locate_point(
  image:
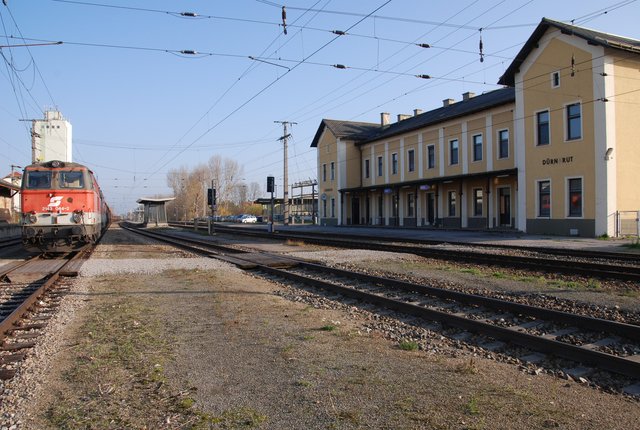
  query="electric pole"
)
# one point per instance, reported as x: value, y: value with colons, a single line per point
x: 285, y: 186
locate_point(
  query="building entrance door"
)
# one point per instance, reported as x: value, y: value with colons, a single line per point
x: 504, y: 196
x: 431, y: 208
x: 367, y: 211
x: 355, y: 211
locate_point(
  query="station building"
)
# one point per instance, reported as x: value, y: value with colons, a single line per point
x: 555, y: 151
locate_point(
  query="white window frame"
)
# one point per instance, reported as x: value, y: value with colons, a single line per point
x: 565, y: 114
x: 535, y: 127
x: 568, y: 197
x: 473, y: 196
x: 473, y: 147
x: 455, y: 199
x: 451, y: 152
x: 553, y: 79
x: 411, y: 163
x: 434, y: 157
x: 394, y: 163
x: 411, y: 205
x: 537, y: 190
x: 499, y: 142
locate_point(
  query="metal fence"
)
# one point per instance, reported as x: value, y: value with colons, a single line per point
x: 627, y: 223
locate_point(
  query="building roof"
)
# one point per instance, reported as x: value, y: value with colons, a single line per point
x: 593, y: 37
x: 364, y: 132
x: 350, y: 129
x: 144, y: 200
x: 6, y: 184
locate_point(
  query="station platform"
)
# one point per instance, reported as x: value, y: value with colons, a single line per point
x: 511, y: 238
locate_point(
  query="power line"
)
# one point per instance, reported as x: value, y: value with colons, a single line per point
x: 269, y: 86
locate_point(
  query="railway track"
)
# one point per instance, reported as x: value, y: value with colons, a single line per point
x: 603, y: 265
x: 29, y: 294
x: 599, y: 344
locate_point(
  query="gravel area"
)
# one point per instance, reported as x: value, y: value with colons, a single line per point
x: 155, y: 342
x: 563, y: 292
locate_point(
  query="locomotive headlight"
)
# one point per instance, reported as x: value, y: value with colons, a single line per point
x: 77, y: 217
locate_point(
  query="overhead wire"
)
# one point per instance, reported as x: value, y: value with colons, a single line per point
x: 253, y: 97
x: 220, y: 98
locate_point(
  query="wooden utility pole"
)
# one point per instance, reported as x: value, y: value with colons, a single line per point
x: 285, y: 198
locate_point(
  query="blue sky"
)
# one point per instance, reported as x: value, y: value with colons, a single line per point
x: 139, y: 107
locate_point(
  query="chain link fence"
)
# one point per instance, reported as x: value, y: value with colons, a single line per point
x: 627, y: 223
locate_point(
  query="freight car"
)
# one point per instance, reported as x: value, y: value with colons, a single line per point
x: 63, y: 207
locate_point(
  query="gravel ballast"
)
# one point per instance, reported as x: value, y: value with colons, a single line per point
x: 216, y: 347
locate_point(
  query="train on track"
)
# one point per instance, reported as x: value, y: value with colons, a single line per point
x: 63, y: 208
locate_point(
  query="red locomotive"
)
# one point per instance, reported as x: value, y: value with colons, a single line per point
x: 63, y: 207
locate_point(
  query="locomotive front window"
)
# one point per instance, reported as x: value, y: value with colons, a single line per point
x: 38, y: 180
x: 71, y: 179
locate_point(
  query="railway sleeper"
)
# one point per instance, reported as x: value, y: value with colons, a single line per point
x: 16, y: 346
x: 12, y: 358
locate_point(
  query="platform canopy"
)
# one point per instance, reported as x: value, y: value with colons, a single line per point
x: 155, y: 213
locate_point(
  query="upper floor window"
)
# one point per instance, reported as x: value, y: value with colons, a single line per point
x: 574, y: 121
x: 431, y: 156
x: 555, y: 79
x: 394, y: 163
x: 380, y: 166
x: 366, y: 168
x: 411, y: 158
x: 333, y: 171
x: 477, y: 147
x: 324, y: 173
x: 503, y: 144
x: 542, y: 128
x: 544, y: 199
x: 453, y: 151
x: 575, y: 197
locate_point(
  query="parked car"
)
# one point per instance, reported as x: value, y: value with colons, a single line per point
x: 246, y: 218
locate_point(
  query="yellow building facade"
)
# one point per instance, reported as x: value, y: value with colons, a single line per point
x: 553, y: 152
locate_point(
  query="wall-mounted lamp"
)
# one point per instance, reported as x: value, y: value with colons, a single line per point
x: 607, y: 155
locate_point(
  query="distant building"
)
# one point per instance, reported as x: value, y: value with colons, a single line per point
x: 51, y: 138
x: 10, y: 197
x: 553, y: 152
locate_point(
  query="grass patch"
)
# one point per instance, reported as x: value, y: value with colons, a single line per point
x: 328, y: 327
x: 408, y: 345
x: 292, y: 242
x: 591, y: 284
x: 631, y: 293
x: 116, y: 372
x: 472, y: 407
x: 471, y: 271
x: 499, y: 275
x: 633, y: 245
x: 304, y: 383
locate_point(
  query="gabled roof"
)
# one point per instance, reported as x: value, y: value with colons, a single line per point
x: 364, y: 132
x: 591, y: 36
x: 348, y: 129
